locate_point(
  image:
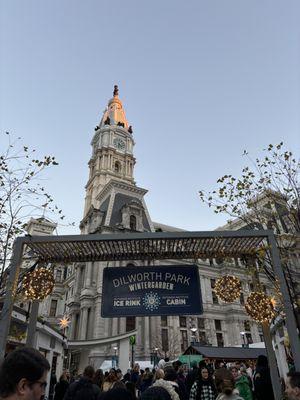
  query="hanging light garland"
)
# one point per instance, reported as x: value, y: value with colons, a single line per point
x: 260, y: 307
x: 38, y: 284
x: 228, y: 288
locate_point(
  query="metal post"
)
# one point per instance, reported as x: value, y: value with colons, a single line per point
x: 277, y: 390
x: 31, y: 329
x: 6, y: 312
x: 288, y: 309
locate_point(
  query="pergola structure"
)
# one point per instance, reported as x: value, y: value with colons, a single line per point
x: 150, y: 246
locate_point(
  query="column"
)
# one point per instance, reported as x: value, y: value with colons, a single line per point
x: 83, y: 324
x: 114, y: 326
x: 146, y: 335
x: 72, y: 326
x: 88, y: 275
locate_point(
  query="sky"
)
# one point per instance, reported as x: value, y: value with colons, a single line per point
x: 200, y: 82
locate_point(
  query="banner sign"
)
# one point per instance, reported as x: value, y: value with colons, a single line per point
x: 146, y: 291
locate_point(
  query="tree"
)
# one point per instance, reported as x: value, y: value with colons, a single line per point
x: 168, y: 345
x: 21, y: 193
x: 265, y: 196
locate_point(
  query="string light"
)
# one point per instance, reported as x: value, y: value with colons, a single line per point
x: 260, y: 307
x: 228, y: 288
x: 38, y: 284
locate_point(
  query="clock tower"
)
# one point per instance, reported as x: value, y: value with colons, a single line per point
x: 113, y: 201
x: 112, y: 156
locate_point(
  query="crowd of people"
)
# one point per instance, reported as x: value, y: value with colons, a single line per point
x: 23, y: 376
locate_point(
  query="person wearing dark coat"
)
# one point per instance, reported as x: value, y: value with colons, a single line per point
x: 262, y: 380
x: 84, y: 388
x: 61, y: 387
x: 204, y: 387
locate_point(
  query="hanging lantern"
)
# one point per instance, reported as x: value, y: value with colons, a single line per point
x: 228, y: 288
x: 259, y: 306
x: 38, y: 284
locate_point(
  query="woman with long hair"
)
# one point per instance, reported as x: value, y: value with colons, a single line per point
x: 204, y: 387
x: 61, y: 387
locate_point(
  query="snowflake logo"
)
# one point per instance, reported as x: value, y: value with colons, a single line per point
x: 151, y: 301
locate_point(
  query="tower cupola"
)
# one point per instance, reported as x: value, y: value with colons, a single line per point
x: 114, y: 114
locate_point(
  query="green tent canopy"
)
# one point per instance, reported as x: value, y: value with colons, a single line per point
x: 190, y: 359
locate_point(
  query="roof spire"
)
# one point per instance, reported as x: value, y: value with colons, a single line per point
x: 116, y: 91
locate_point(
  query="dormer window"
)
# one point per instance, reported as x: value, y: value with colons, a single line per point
x: 132, y: 222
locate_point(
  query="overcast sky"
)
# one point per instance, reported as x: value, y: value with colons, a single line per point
x: 200, y: 82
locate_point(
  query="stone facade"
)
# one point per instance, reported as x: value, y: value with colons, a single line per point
x: 115, y: 204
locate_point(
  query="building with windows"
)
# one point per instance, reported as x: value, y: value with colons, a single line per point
x: 114, y: 204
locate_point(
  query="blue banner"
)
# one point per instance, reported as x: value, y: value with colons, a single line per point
x: 146, y: 291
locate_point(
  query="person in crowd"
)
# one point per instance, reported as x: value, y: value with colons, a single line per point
x: 109, y: 381
x: 242, y: 384
x: 99, y: 378
x: 134, y: 376
x: 157, y: 393
x: 23, y: 375
x: 192, y: 376
x: 180, y: 375
x: 159, y: 374
x: 139, y: 381
x: 84, y: 388
x: 130, y: 386
x: 116, y: 394
x: 171, y: 376
x: 61, y: 387
x: 146, y: 381
x: 293, y: 385
x: 262, y: 380
x: 225, y: 385
x: 167, y: 385
x: 126, y: 377
x: 204, y: 387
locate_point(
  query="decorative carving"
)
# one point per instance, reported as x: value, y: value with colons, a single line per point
x: 116, y: 90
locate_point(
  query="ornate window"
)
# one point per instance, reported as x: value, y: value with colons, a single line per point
x: 117, y: 167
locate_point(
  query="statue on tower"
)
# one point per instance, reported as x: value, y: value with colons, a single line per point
x: 116, y: 90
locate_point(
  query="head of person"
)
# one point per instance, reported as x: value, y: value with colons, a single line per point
x: 63, y: 376
x: 224, y: 381
x: 293, y: 385
x: 89, y: 372
x: 203, y: 374
x: 119, y: 374
x: 136, y: 368
x: 235, y: 372
x: 112, y: 376
x: 262, y: 362
x: 98, y: 377
x: 156, y: 393
x: 170, y: 374
x: 23, y: 375
x: 159, y: 374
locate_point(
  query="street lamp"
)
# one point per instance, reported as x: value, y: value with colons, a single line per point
x: 245, y: 344
x: 193, y: 330
x: 155, y: 356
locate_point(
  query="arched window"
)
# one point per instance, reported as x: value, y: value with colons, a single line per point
x: 132, y: 222
x: 117, y: 167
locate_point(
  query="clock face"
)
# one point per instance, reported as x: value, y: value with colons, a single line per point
x: 119, y: 144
